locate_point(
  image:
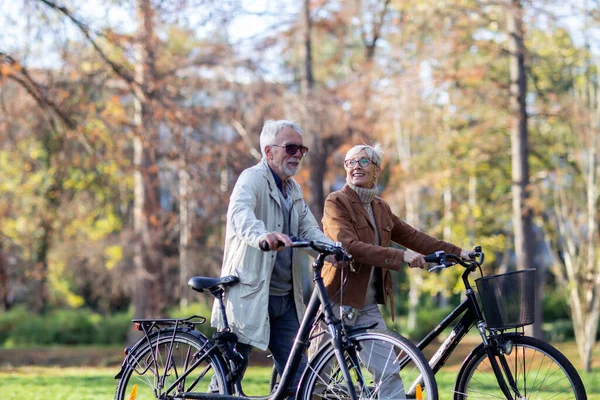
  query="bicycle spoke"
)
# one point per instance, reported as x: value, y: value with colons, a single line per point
x: 157, y: 371
x: 539, y: 371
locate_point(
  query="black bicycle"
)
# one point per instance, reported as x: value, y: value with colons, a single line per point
x: 175, y: 361
x: 507, y: 364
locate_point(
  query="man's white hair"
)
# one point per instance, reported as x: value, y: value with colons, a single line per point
x: 270, y: 130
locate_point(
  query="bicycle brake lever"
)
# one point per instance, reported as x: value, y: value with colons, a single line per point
x: 436, y: 267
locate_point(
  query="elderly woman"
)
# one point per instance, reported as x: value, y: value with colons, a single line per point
x: 365, y: 225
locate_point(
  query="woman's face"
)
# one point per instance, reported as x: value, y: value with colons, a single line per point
x: 359, y: 174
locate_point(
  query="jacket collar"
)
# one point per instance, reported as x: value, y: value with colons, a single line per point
x: 375, y: 206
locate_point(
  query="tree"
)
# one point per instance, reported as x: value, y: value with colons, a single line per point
x: 522, y: 214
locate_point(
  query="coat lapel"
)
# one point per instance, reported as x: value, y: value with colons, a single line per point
x: 273, y: 189
x: 379, y: 217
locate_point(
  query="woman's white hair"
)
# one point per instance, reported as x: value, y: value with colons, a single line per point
x: 270, y: 130
x: 373, y: 152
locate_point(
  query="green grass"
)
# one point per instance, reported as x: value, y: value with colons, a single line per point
x: 98, y: 383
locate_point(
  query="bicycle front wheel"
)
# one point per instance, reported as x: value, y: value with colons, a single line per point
x: 382, y: 365
x: 538, y: 370
x: 154, y: 369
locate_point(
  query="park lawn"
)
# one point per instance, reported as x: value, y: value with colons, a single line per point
x: 99, y: 383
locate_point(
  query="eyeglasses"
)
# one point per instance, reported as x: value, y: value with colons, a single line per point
x: 363, y: 162
x: 292, y: 149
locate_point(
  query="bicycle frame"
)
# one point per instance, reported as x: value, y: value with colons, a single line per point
x: 318, y: 298
x: 471, y: 315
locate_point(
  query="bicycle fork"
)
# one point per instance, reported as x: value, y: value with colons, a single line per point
x: 496, y: 352
x: 338, y: 347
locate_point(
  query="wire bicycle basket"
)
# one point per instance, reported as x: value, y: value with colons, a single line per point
x: 508, y: 300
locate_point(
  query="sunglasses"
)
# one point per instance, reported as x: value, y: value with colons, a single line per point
x: 363, y: 162
x: 292, y: 149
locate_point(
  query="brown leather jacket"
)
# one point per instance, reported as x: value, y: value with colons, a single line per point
x: 345, y: 220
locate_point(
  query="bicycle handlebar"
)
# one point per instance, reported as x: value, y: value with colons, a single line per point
x: 324, y: 248
x: 444, y: 260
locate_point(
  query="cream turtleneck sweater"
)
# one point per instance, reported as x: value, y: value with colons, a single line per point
x: 366, y: 197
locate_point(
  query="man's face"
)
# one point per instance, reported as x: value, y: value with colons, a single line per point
x: 284, y: 164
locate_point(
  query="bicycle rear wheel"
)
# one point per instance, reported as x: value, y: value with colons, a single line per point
x: 539, y: 370
x: 382, y: 365
x: 151, y: 369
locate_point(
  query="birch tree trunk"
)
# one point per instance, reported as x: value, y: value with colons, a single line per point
x: 415, y: 277
x: 185, y: 229
x: 577, y: 223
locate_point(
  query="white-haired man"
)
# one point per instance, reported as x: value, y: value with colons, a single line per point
x: 267, y: 204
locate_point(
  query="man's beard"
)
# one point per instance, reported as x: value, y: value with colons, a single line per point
x: 290, y: 171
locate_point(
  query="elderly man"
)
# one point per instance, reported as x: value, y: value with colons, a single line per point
x: 267, y: 205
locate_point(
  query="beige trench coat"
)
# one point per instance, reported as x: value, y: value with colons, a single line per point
x: 254, y: 210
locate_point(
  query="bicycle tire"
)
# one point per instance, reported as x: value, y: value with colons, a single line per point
x: 145, y: 368
x: 323, y: 378
x: 540, y: 370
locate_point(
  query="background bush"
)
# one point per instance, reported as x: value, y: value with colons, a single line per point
x: 20, y: 328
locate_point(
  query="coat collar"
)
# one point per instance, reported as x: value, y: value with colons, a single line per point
x: 376, y: 205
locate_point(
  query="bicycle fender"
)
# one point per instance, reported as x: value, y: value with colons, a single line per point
x: 149, y: 339
x: 360, y: 328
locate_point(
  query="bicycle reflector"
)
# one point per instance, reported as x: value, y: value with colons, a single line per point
x: 419, y: 392
x: 133, y: 393
x: 137, y: 326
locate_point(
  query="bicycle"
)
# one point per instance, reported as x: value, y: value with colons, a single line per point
x: 507, y: 364
x: 175, y: 361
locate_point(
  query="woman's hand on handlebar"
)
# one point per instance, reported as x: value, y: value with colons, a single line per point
x: 466, y: 254
x: 414, y: 259
x: 275, y: 241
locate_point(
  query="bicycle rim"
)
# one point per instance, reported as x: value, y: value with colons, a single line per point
x: 539, y: 370
x: 386, y: 366
x: 153, y: 369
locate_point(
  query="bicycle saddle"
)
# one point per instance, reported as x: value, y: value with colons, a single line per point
x: 202, y: 283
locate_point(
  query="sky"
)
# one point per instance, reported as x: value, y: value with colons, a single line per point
x: 18, y: 35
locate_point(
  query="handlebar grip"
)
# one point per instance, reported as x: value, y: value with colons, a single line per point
x: 435, y: 257
x: 431, y: 258
x: 264, y: 245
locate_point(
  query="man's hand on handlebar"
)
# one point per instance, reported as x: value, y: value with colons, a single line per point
x: 278, y: 241
x: 275, y: 241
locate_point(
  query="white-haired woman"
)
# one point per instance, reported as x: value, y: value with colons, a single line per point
x: 366, y: 226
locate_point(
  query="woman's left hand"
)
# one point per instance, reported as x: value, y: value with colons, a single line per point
x: 465, y: 253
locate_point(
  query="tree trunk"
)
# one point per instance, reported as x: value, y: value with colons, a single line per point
x: 415, y: 277
x: 472, y: 202
x: 522, y: 219
x: 149, y: 294
x: 4, y: 282
x: 317, y: 155
x: 185, y: 230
